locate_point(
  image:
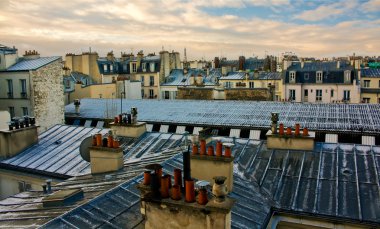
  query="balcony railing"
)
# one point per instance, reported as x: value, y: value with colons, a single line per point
x: 10, y: 95
x: 24, y: 95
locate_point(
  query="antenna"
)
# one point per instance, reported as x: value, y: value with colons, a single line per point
x: 185, y: 56
x: 84, y: 148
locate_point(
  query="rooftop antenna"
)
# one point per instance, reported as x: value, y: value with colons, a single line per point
x: 185, y: 56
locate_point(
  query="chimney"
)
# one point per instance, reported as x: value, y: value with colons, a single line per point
x: 207, y: 166
x: 338, y: 64
x: 77, y: 106
x: 126, y: 125
x: 216, y: 62
x: 21, y: 134
x: 289, y: 139
x: 106, y: 155
x: 31, y: 55
x: 192, y: 80
x: 241, y: 63
x: 110, y: 56
x: 184, y: 210
x: 199, y: 80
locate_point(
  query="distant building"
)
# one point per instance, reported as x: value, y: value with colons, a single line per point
x: 32, y: 85
x: 197, y: 79
x: 324, y: 82
x: 84, y: 63
x: 370, y: 85
x: 266, y: 81
x: 242, y: 64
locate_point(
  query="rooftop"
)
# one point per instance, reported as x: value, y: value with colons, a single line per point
x: 32, y: 64
x: 178, y: 78
x: 320, y: 66
x: 335, y: 181
x: 57, y: 152
x: 370, y: 72
x: 363, y: 118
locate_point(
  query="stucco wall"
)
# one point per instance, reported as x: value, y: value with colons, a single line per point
x: 248, y: 94
x: 47, y: 95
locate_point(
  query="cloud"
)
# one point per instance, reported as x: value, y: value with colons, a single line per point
x: 58, y: 27
x: 371, y: 6
x: 327, y: 11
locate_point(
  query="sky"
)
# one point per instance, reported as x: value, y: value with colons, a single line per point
x: 206, y: 28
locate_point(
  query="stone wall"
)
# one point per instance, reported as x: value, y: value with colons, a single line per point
x: 259, y: 94
x: 195, y: 93
x: 47, y: 95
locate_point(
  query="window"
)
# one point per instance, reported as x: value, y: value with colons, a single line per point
x: 378, y: 100
x: 292, y: 95
x: 366, y: 83
x: 152, y: 67
x: 12, y: 111
x: 134, y: 67
x: 228, y: 84
x: 111, y: 68
x: 306, y: 76
x: 105, y: 67
x: 166, y: 94
x: 318, y: 95
x: 347, y: 76
x: 151, y: 94
x: 379, y: 83
x: 142, y: 80
x: 142, y: 93
x: 332, y: 93
x: 306, y: 93
x: 151, y: 81
x: 319, y: 77
x: 366, y: 100
x: 125, y: 68
x: 292, y: 77
x: 22, y: 186
x: 10, y: 88
x: 346, y: 95
x: 23, y: 88
x: 251, y: 84
x: 144, y: 67
x: 25, y: 111
x: 67, y: 84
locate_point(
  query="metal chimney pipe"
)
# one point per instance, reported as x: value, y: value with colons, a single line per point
x: 186, y: 166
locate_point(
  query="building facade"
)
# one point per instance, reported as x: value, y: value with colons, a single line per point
x: 33, y: 86
x: 321, y: 82
x: 370, y: 85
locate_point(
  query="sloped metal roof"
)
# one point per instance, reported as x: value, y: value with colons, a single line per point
x: 336, y: 181
x: 57, y: 152
x: 370, y: 72
x: 246, y: 114
x: 178, y: 78
x: 26, y: 65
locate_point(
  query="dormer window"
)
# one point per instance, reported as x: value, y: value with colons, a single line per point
x: 152, y: 69
x: 134, y: 67
x: 105, y: 67
x: 144, y: 67
x: 319, y: 77
x: 111, y: 68
x: 347, y: 76
x: 292, y: 77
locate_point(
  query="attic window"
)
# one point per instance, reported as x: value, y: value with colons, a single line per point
x: 292, y: 77
x: 306, y: 76
x: 319, y: 77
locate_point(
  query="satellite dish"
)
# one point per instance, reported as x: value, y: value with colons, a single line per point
x: 84, y: 150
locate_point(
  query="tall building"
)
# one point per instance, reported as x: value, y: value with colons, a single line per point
x: 370, y: 85
x: 32, y: 85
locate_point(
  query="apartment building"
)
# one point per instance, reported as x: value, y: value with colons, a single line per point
x: 32, y: 85
x: 370, y: 85
x: 325, y: 82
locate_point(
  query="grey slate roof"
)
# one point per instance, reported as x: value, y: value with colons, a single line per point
x: 57, y: 152
x: 320, y: 66
x: 363, y: 118
x: 252, y: 76
x: 178, y: 78
x: 336, y: 181
x: 26, y: 65
x: 370, y: 72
